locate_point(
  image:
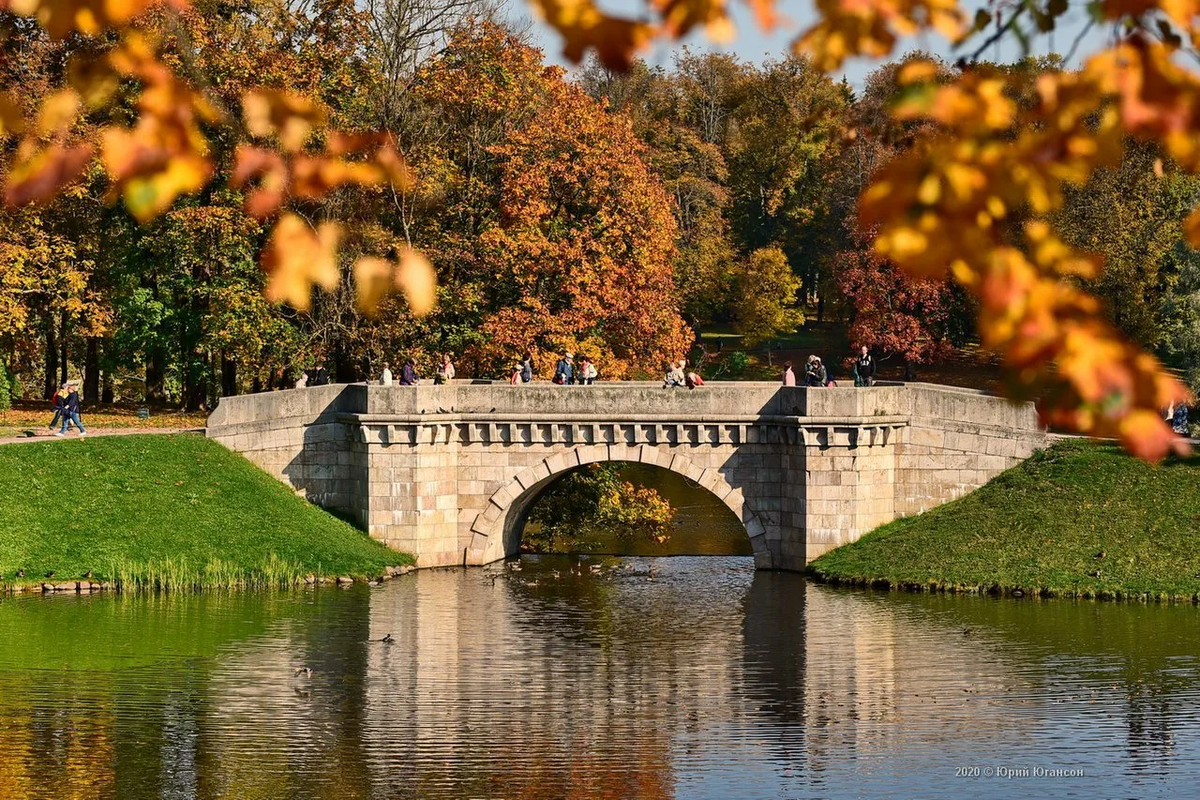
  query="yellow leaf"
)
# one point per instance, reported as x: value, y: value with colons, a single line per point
x: 11, y: 120
x: 296, y: 257
x: 290, y: 116
x: 58, y: 111
x: 583, y: 26
x: 39, y: 175
x: 416, y: 278
x: 147, y: 196
x: 1191, y: 228
x: 916, y: 71
x: 372, y: 281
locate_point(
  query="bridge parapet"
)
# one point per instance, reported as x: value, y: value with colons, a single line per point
x: 449, y: 472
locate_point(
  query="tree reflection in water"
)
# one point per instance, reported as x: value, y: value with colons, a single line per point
x: 651, y: 677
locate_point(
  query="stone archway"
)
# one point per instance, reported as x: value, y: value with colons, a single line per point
x: 495, y: 533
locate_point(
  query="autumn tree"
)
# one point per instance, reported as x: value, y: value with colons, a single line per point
x: 975, y: 200
x: 765, y: 288
x: 551, y: 232
x: 895, y: 314
x: 1131, y: 215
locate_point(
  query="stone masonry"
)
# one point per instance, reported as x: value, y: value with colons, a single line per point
x: 449, y: 473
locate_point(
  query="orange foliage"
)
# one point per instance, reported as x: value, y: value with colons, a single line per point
x: 944, y: 205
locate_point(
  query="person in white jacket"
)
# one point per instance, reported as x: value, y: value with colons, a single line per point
x: 386, y: 378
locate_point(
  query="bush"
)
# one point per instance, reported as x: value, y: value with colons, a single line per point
x: 591, y: 500
x: 736, y: 363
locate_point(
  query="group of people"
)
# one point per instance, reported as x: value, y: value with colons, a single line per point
x: 815, y: 373
x: 66, y: 408
x: 679, y: 375
x: 410, y: 377
x: 566, y: 373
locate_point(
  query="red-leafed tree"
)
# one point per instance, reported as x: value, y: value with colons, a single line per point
x: 894, y: 313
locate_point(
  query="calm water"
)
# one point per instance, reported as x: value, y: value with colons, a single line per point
x: 671, y: 676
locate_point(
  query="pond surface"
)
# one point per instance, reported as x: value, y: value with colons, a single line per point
x: 685, y: 676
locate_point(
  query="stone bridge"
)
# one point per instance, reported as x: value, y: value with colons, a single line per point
x: 449, y: 473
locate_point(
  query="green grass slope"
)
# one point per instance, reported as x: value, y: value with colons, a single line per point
x: 1079, y: 520
x: 167, y: 511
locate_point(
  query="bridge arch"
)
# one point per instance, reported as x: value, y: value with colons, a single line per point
x: 496, y: 531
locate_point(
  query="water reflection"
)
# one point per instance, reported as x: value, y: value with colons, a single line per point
x: 647, y: 677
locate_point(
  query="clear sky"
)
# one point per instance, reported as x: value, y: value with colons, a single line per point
x: 755, y: 45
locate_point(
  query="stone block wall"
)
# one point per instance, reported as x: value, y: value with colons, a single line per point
x: 298, y: 436
x: 958, y: 440
x: 449, y: 473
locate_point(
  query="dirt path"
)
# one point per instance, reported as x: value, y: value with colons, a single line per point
x: 46, y: 435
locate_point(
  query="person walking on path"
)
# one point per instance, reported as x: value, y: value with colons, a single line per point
x: 58, y: 402
x: 445, y: 372
x: 516, y: 379
x: 71, y: 412
x: 564, y: 370
x: 789, y: 377
x: 408, y: 374
x: 864, y: 369
x: 1179, y: 420
x: 527, y: 368
x: 385, y: 379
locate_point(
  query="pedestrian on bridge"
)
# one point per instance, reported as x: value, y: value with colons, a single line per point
x: 386, y: 378
x: 587, y: 372
x: 564, y: 371
x: 445, y: 372
x: 789, y: 377
x: 814, y: 372
x: 408, y: 375
x: 864, y: 369
x: 674, y: 376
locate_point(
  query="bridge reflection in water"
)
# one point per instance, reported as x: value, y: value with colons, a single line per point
x: 703, y: 679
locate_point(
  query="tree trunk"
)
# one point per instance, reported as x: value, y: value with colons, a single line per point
x: 156, y: 391
x: 193, y: 398
x: 228, y: 377
x: 62, y: 348
x: 51, y: 372
x: 91, y: 372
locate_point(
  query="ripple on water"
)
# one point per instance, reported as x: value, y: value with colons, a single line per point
x: 543, y: 677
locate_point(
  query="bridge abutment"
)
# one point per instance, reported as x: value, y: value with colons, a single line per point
x: 448, y: 473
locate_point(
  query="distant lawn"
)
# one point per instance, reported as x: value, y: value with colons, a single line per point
x: 1081, y: 519
x: 34, y: 416
x: 175, y: 510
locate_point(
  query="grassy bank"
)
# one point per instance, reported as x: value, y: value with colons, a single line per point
x: 1079, y: 520
x: 160, y: 511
